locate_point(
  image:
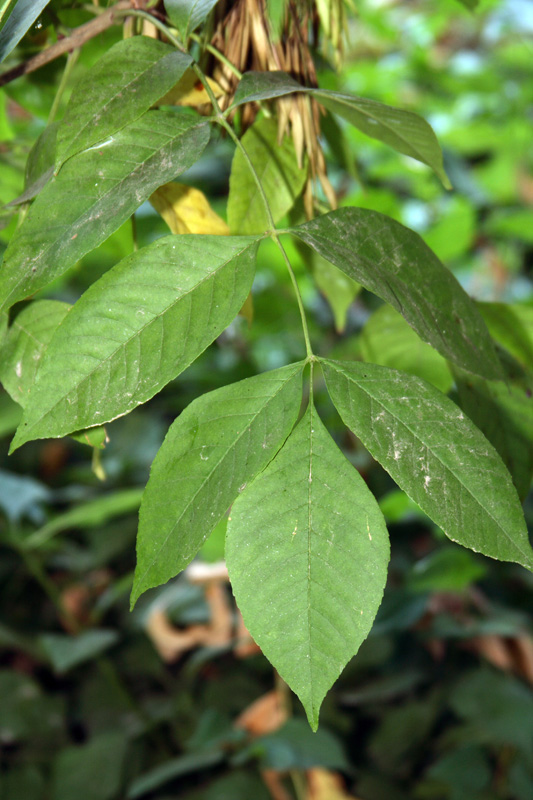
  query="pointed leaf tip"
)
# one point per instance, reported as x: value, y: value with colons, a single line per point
x: 307, y: 541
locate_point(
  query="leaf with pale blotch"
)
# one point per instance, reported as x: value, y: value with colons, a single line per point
x: 395, y: 263
x: 307, y: 552
x: 435, y: 454
x: 388, y: 340
x: 404, y: 131
x: 187, y: 210
x: 281, y: 177
x: 214, y: 448
x: 116, y: 91
x: 94, y: 193
x: 135, y: 329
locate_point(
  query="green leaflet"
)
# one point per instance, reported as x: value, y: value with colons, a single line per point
x: 136, y: 329
x: 94, y: 193
x: 504, y: 412
x: 22, y: 351
x: 186, y: 15
x: 435, y: 454
x: 404, y: 131
x: 278, y: 170
x: 388, y: 340
x: 307, y: 552
x: 395, y: 263
x: 122, y: 85
x: 214, y: 448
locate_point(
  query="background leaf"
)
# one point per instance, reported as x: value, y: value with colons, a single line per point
x: 187, y: 210
x: 404, y: 131
x: 18, y: 23
x: 394, y: 263
x: 186, y: 15
x: 388, y: 340
x: 214, y: 448
x: 74, y: 212
x: 277, y: 167
x: 136, y: 328
x: 435, y: 454
x: 307, y: 541
x: 129, y: 78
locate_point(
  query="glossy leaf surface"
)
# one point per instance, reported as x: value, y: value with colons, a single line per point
x: 18, y: 23
x: 307, y: 552
x: 281, y: 177
x: 214, y: 448
x: 404, y: 131
x: 136, y: 329
x: 435, y: 454
x: 395, y: 263
x: 121, y: 86
x: 94, y: 193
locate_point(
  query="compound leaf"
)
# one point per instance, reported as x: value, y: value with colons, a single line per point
x: 278, y: 170
x: 137, y: 328
x: 435, y: 454
x: 307, y: 552
x: 214, y: 448
x: 395, y: 263
x: 404, y: 131
x: 122, y: 85
x: 94, y: 193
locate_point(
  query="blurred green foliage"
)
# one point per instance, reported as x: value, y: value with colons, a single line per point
x: 88, y: 709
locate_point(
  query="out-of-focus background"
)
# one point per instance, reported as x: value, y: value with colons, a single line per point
x: 173, y: 700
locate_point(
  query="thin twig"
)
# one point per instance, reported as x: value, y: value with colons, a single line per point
x: 77, y: 38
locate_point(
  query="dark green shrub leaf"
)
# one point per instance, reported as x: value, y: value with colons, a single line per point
x: 435, y: 454
x: 395, y: 263
x: 307, y: 552
x: 504, y: 412
x: 121, y: 86
x: 214, y: 448
x: 136, y: 329
x: 18, y: 23
x: 281, y: 177
x: 95, y: 192
x: 404, y: 131
x: 92, y: 770
x: 66, y: 652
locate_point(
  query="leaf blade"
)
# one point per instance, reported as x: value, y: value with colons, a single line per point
x: 18, y: 23
x: 121, y: 86
x: 137, y: 328
x: 280, y: 175
x: 186, y: 15
x: 435, y: 454
x: 280, y: 538
x: 395, y: 263
x: 403, y: 130
x: 217, y: 445
x: 60, y: 226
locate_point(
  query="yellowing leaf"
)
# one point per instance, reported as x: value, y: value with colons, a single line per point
x: 186, y: 210
x: 190, y: 92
